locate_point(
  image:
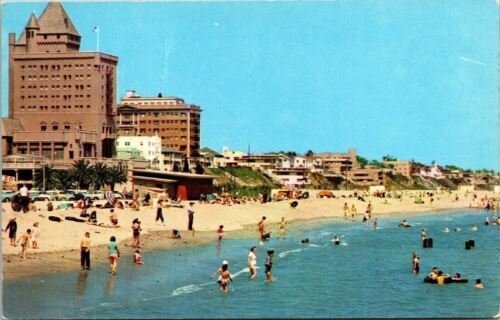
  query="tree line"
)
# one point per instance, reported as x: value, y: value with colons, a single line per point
x: 81, y: 175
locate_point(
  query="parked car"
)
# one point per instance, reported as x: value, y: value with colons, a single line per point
x: 6, y: 195
x: 94, y: 195
x: 42, y: 196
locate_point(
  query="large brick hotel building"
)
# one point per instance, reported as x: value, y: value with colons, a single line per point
x: 61, y: 100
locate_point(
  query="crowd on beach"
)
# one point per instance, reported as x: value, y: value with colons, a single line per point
x: 159, y: 202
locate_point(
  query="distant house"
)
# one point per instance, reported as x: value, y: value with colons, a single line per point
x: 210, y: 158
x: 431, y: 172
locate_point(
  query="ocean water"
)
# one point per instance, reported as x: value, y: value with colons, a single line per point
x: 368, y: 275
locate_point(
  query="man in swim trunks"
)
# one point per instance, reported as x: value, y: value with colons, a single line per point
x: 260, y: 226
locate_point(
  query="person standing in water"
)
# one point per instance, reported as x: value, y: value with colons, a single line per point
x: 225, y: 278
x: 423, y: 234
x: 114, y: 254
x: 416, y: 263
x: 85, y: 252
x: 375, y: 224
x: 269, y: 265
x: 260, y: 227
x: 220, y: 233
x: 252, y: 262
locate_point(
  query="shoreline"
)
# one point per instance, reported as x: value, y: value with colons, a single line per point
x: 240, y: 221
x: 43, y: 263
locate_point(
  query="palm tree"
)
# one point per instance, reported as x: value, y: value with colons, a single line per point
x: 101, y: 175
x: 117, y: 174
x: 65, y: 180
x: 46, y: 178
x: 82, y: 173
x: 309, y: 153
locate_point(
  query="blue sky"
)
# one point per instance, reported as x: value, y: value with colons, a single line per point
x: 414, y: 79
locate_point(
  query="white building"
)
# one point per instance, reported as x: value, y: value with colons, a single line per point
x: 431, y: 172
x: 146, y: 147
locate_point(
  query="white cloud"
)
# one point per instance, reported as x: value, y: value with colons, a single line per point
x: 472, y: 61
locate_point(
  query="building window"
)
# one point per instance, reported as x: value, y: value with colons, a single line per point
x: 127, y: 143
x: 43, y: 128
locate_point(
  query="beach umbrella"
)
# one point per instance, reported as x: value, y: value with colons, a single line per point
x: 110, y: 197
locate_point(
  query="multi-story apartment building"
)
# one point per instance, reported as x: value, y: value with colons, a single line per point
x: 400, y: 167
x: 174, y: 121
x: 338, y: 162
x: 62, y: 98
x: 368, y: 176
x: 146, y: 147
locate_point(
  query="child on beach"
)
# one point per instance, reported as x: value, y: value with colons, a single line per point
x: 220, y: 232
x: 269, y: 265
x: 114, y: 254
x: 112, y: 217
x: 34, y: 235
x: 176, y: 234
x: 137, y: 257
x: 12, y: 228
x: 25, y: 242
x: 282, y: 226
x: 346, y: 210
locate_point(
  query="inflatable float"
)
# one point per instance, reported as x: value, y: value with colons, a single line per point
x: 446, y: 280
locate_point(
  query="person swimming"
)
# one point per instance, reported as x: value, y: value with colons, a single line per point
x: 446, y: 230
x: 404, y: 224
x: 336, y: 240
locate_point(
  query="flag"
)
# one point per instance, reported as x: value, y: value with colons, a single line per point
x: 96, y: 29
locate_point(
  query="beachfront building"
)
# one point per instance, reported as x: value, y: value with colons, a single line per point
x: 186, y: 186
x: 174, y: 121
x: 172, y: 160
x: 230, y: 157
x: 400, y: 167
x: 210, y: 158
x: 338, y: 162
x: 289, y: 177
x: 367, y: 176
x: 61, y: 99
x: 130, y: 147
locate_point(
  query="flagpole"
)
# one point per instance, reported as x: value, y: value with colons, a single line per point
x: 96, y: 30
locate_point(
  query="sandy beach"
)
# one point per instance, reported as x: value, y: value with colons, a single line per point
x: 59, y: 241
